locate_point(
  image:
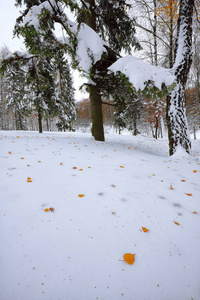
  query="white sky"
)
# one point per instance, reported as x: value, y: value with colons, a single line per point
x: 8, y: 15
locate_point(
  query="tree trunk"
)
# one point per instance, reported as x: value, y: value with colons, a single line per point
x: 171, y: 36
x: 135, y: 126
x: 178, y: 132
x: 96, y: 113
x: 155, y: 33
x: 95, y: 97
x: 40, y: 121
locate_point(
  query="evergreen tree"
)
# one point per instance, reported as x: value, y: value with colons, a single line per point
x: 17, y: 100
x: 65, y: 102
x: 107, y: 20
x: 41, y: 83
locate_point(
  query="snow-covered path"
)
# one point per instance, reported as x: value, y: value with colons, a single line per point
x: 76, y: 251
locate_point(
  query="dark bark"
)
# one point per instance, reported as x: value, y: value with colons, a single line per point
x: 96, y: 113
x: 95, y: 97
x: 155, y: 34
x: 178, y: 132
x: 40, y: 121
x: 171, y: 37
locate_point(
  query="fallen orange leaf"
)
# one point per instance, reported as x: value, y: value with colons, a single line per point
x: 183, y: 180
x: 176, y: 223
x: 29, y: 179
x: 74, y: 168
x: 129, y: 258
x: 81, y: 195
x: 145, y: 229
x: 49, y: 209
x: 194, y: 212
x: 80, y: 169
x: 9, y: 152
x: 171, y: 187
x: 194, y: 171
x: 188, y: 194
x: 22, y: 157
x: 121, y: 166
x: 61, y: 163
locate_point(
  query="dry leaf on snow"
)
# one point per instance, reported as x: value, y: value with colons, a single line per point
x: 176, y: 223
x: 145, y: 229
x: 129, y: 258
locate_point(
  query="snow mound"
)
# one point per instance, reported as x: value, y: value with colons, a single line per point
x: 140, y: 72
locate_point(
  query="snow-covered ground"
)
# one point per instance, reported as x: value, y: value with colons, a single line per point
x: 76, y: 251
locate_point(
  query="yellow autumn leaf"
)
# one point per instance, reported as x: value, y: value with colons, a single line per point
x: 61, y: 163
x: 129, y: 258
x: 81, y: 195
x: 176, y: 223
x: 22, y: 157
x: 122, y: 167
x: 145, y: 229
x: 49, y: 209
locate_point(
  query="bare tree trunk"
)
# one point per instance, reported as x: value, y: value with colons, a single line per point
x: 155, y: 33
x: 40, y: 121
x: 178, y: 132
x: 96, y: 113
x: 171, y: 60
x: 95, y: 97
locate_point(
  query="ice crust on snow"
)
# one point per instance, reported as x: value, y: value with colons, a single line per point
x: 139, y: 72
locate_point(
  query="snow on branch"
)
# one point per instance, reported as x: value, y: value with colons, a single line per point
x: 90, y: 46
x: 139, y: 72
